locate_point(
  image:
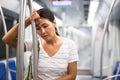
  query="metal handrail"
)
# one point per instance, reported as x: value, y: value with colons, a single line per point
x: 7, y: 47
x: 105, y: 29
x: 113, y: 76
x: 20, y: 43
x: 35, y: 44
x: 20, y: 46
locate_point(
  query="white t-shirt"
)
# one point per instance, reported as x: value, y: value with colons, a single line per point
x: 51, y: 68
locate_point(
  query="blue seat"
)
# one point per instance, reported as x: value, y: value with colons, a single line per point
x: 2, y: 71
x: 117, y: 70
x: 12, y: 67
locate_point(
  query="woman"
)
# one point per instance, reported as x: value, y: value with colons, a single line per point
x: 57, y: 56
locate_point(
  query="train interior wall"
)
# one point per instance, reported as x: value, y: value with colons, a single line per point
x: 88, y: 41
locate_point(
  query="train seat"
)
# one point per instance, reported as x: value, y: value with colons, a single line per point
x: 2, y: 71
x: 117, y: 71
x: 12, y: 69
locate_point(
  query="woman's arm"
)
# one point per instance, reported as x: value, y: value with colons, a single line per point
x: 11, y: 36
x: 72, y: 72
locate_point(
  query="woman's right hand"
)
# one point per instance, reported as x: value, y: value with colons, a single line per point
x: 35, y: 15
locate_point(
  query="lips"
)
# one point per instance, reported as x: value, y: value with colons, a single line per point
x: 45, y: 36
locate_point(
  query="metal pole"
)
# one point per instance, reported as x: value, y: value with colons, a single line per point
x: 20, y: 43
x: 7, y: 48
x: 105, y: 28
x: 35, y: 45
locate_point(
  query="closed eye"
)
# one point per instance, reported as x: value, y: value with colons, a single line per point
x: 45, y: 25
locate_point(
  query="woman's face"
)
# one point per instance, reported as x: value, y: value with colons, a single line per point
x: 45, y: 28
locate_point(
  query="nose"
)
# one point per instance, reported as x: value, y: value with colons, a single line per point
x: 42, y: 30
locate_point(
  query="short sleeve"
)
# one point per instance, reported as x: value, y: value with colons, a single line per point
x: 73, y: 52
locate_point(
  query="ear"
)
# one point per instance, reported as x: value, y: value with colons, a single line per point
x: 54, y: 23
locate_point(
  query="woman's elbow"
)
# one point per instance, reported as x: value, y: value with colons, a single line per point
x: 4, y: 39
x: 9, y: 42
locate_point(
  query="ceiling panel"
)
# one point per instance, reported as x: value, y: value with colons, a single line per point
x: 73, y: 15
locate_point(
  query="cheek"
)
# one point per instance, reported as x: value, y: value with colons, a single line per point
x: 50, y: 31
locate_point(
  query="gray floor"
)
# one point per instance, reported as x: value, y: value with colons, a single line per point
x: 86, y: 78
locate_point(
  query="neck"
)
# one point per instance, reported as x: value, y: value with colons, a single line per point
x: 53, y: 41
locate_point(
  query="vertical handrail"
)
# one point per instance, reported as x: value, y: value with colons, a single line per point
x: 20, y: 43
x: 118, y: 70
x: 7, y: 47
x: 105, y: 29
x: 35, y: 43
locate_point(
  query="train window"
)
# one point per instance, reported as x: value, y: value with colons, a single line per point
x: 12, y: 51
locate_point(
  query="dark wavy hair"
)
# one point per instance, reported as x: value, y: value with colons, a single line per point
x: 46, y: 13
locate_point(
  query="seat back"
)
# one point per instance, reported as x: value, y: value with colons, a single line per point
x: 12, y: 68
x: 2, y: 71
x: 117, y: 71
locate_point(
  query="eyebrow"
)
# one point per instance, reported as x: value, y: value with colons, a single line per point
x: 41, y: 25
x: 44, y: 24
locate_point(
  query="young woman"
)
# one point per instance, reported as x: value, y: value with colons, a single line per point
x: 57, y: 56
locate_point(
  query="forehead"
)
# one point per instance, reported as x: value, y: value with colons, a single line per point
x: 41, y: 21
